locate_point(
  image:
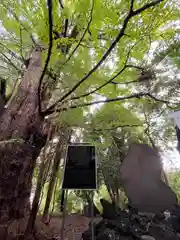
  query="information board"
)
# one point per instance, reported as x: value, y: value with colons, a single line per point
x: 80, y: 171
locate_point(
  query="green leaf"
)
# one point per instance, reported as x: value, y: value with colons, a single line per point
x: 72, y: 117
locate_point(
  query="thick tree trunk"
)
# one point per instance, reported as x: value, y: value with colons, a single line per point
x: 17, y: 164
x: 21, y: 140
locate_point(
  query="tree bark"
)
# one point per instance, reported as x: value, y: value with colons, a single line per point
x: 39, y: 187
x: 21, y: 140
x: 108, y: 186
x: 59, y: 153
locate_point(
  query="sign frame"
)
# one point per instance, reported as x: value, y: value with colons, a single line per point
x: 96, y: 165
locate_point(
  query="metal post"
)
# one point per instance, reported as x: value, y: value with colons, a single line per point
x: 63, y: 215
x: 92, y: 216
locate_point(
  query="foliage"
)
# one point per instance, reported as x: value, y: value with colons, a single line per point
x: 97, y: 76
x: 174, y: 182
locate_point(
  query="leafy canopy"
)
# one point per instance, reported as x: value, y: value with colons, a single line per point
x: 83, y: 36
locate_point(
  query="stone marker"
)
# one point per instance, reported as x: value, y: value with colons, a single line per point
x: 141, y: 175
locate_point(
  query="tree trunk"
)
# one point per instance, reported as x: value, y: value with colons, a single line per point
x: 21, y: 140
x: 39, y: 187
x: 59, y: 153
x: 108, y: 185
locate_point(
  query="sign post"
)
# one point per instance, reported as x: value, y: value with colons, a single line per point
x: 80, y: 173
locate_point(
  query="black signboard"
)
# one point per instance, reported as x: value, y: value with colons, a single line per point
x: 80, y: 168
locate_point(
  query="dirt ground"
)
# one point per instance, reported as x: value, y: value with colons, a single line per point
x: 74, y: 225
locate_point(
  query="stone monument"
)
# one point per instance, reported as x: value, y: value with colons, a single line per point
x: 141, y: 176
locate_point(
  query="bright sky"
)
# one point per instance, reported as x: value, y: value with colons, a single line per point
x: 171, y: 160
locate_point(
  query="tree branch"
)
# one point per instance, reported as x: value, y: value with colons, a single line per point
x: 53, y: 106
x: 160, y: 100
x: 139, y: 95
x: 51, y: 109
x: 115, y: 127
x: 131, y: 5
x: 18, y: 20
x: 115, y: 76
x: 113, y: 45
x: 146, y: 6
x: 61, y: 4
x: 3, y: 89
x: 12, y: 53
x: 8, y: 60
x: 136, y: 95
x: 51, y: 74
x: 147, y: 130
x: 49, y: 2
x: 130, y: 82
x: 82, y: 37
x: 132, y: 96
x: 21, y: 44
x: 178, y: 137
x: 65, y: 27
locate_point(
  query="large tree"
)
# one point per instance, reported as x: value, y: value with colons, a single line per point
x: 59, y: 58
